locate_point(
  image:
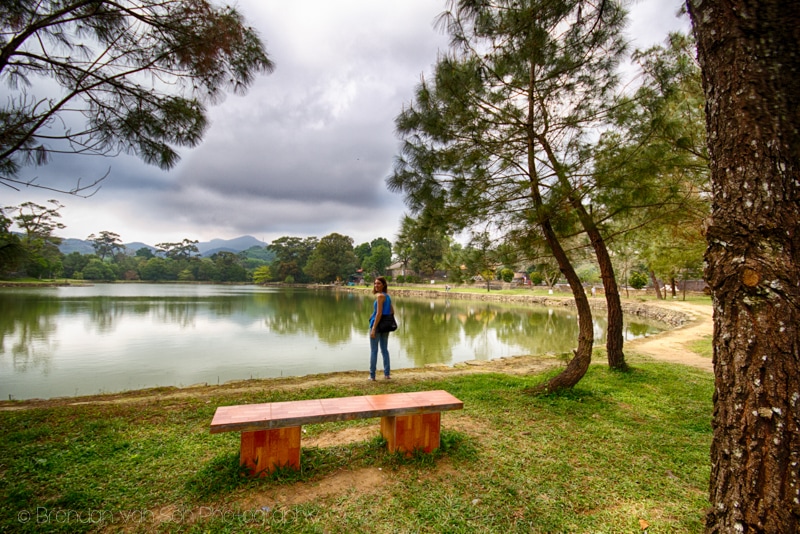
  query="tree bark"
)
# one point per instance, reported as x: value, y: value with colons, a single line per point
x: 614, y: 337
x: 579, y: 363
x: 749, y: 53
x: 656, y: 285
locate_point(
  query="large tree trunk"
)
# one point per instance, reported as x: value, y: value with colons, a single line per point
x: 750, y: 57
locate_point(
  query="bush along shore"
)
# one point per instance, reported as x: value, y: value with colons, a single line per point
x: 621, y: 452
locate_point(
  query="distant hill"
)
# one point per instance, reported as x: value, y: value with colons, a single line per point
x: 237, y: 244
x: 68, y: 246
x: 208, y: 248
x: 133, y: 247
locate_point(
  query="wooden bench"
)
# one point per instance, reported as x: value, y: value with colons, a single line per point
x: 270, y: 432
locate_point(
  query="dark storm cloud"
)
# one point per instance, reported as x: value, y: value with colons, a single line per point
x: 311, y: 145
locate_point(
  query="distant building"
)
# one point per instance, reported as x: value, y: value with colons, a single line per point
x: 397, y: 269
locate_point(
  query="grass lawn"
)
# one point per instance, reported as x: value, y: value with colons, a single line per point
x: 619, y: 448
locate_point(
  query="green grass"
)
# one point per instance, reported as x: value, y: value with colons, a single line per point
x: 618, y: 448
x: 703, y: 347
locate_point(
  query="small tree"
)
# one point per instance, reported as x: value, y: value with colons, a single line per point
x: 97, y: 269
x: 379, y: 259
x: 75, y: 262
x: 291, y: 257
x: 12, y: 253
x: 41, y: 247
x: 333, y: 259
x: 262, y: 275
x: 637, y: 280
x: 536, y: 278
x: 156, y: 269
x: 107, y: 244
x: 180, y: 251
x: 145, y: 253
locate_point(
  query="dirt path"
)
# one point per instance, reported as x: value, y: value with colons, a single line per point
x: 673, y: 345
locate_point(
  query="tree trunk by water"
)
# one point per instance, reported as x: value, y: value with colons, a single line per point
x: 750, y: 58
x: 579, y: 364
x: 656, y: 285
x: 614, y: 336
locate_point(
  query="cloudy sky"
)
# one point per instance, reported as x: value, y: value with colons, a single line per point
x: 307, y: 150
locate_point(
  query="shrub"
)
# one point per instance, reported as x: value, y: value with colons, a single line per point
x: 637, y: 280
x: 98, y: 270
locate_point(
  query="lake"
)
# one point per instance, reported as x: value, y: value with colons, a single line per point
x: 68, y: 341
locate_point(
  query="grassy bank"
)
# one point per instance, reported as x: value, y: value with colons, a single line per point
x: 620, y: 448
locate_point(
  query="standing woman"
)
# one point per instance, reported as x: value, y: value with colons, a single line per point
x: 383, y: 306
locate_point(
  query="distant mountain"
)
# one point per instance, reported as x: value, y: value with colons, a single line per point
x: 207, y: 248
x: 68, y: 246
x: 237, y: 244
x: 133, y: 247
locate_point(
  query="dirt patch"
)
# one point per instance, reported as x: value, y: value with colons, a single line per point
x: 673, y: 345
x: 356, y: 482
x: 342, y: 437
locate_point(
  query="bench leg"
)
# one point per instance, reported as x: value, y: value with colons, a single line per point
x: 407, y: 433
x: 263, y: 450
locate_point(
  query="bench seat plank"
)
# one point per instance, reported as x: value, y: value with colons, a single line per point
x: 272, y: 415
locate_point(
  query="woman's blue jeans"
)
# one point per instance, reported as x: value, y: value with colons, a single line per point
x: 381, y: 340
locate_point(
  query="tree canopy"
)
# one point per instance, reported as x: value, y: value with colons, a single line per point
x: 105, y: 77
x: 333, y: 259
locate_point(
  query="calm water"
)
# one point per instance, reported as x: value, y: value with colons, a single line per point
x: 107, y: 338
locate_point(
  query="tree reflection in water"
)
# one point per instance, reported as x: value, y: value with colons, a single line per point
x: 56, y: 341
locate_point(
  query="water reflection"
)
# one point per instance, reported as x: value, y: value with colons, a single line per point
x: 333, y: 318
x: 27, y: 328
x: 67, y: 341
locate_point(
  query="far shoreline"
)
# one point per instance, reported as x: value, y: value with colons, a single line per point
x: 637, y: 306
